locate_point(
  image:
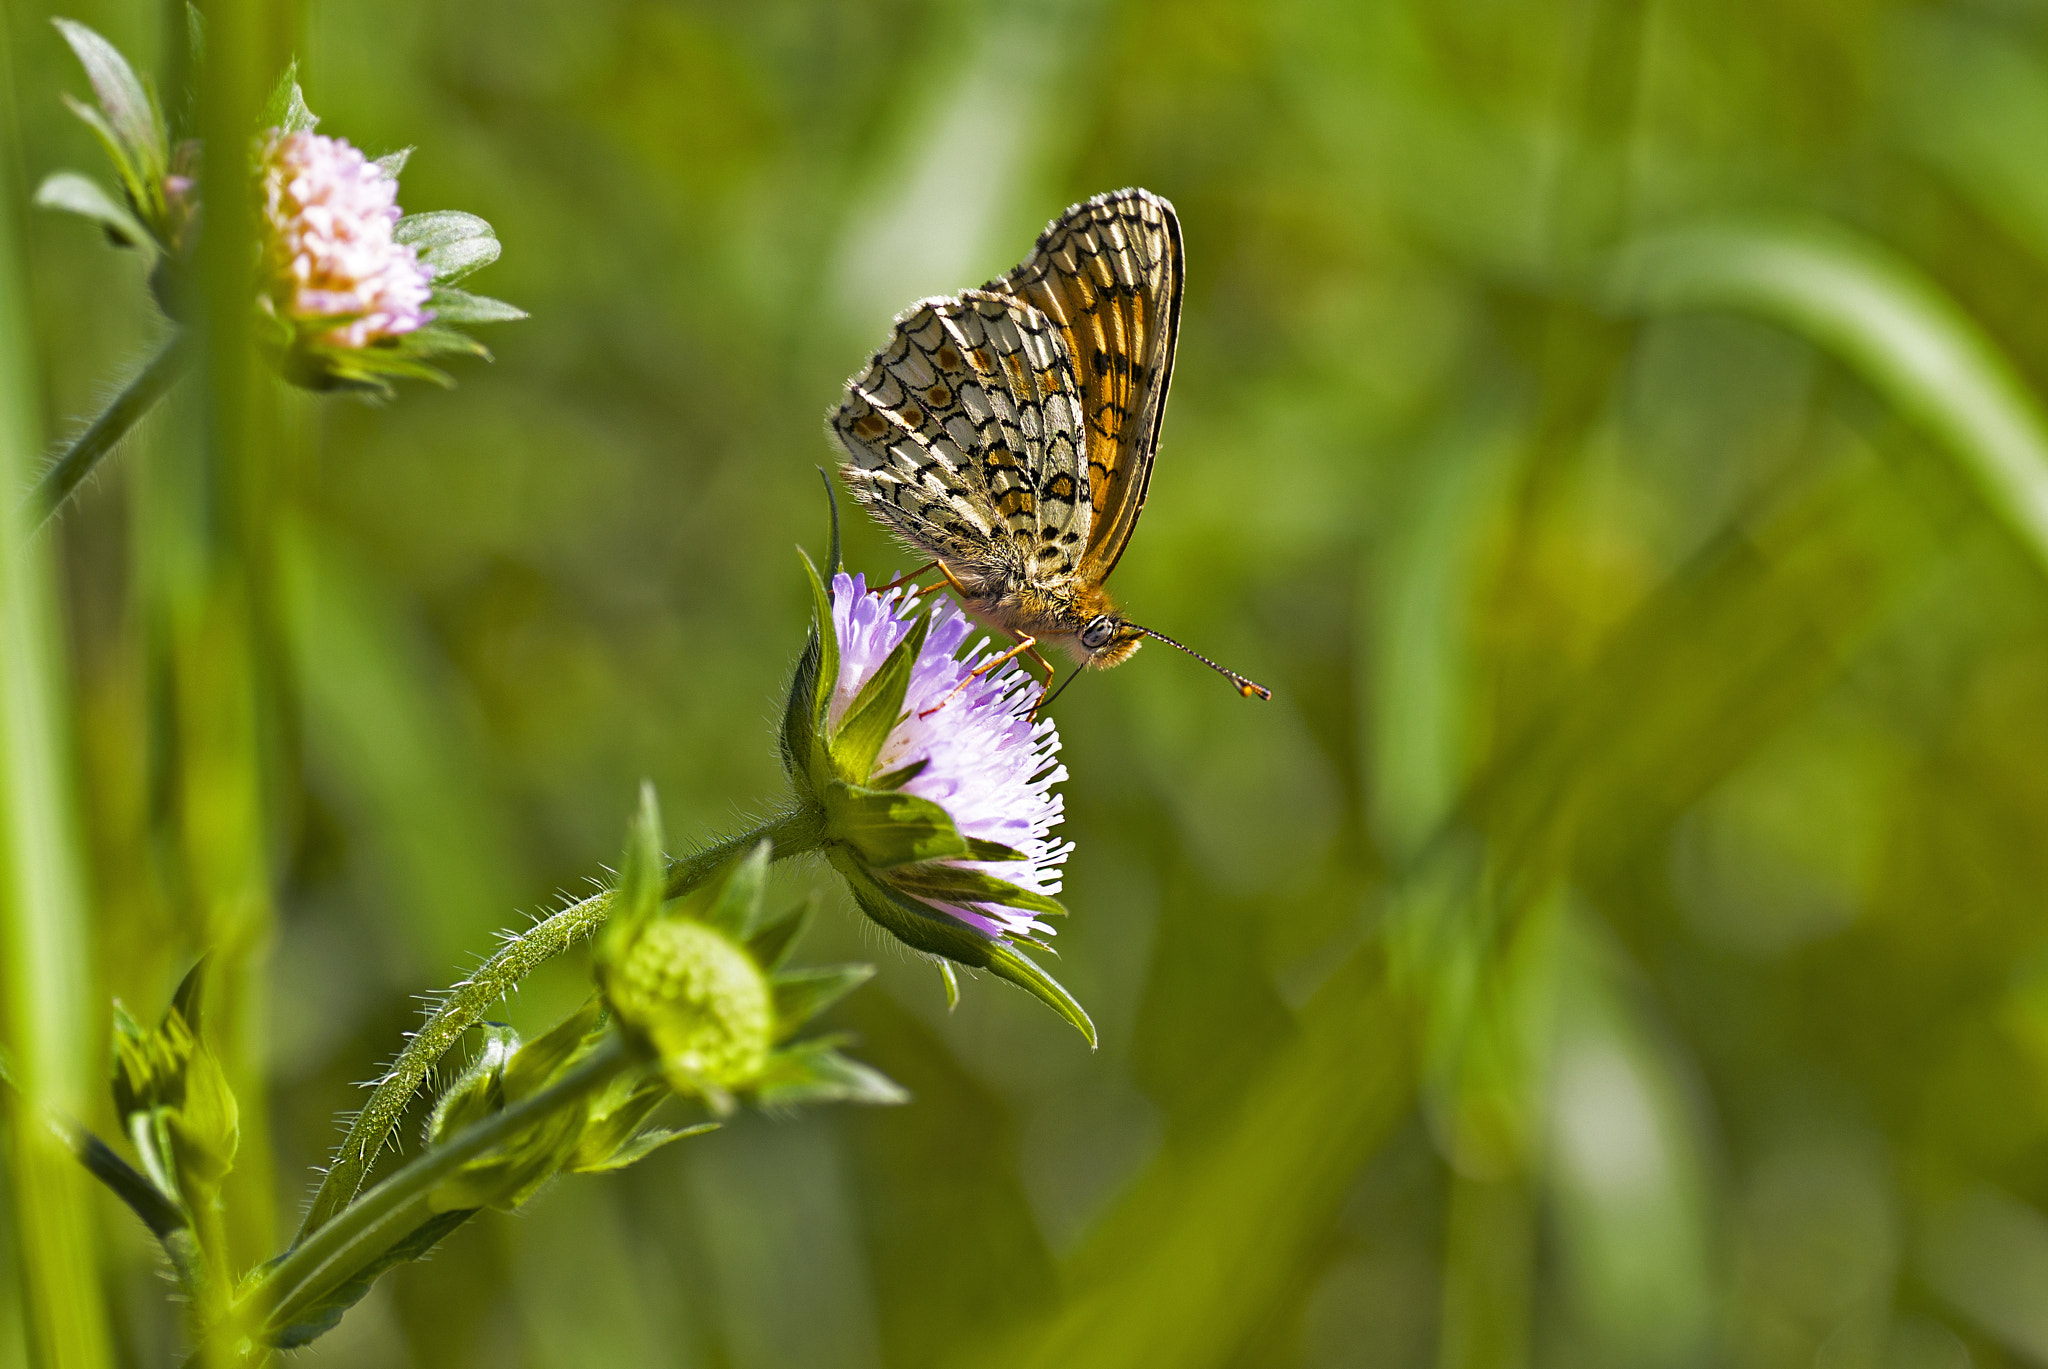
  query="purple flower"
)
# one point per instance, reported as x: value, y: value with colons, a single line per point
x: 983, y: 759
x: 329, y: 253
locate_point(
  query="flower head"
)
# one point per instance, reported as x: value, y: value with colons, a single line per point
x: 971, y: 740
x: 933, y: 781
x: 330, y: 260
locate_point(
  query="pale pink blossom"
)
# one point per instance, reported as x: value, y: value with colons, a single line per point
x: 329, y: 253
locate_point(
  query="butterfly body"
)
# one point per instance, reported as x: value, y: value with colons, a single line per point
x: 1009, y: 432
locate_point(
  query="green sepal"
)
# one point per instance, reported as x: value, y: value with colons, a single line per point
x: 926, y: 929
x: 799, y: 721
x: 286, y: 110
x: 451, y: 242
x: 539, y: 1062
x: 771, y: 944
x: 479, y: 1090
x: 1007, y: 962
x: 889, y: 828
x: 638, y: 1147
x: 73, y: 193
x: 960, y: 884
x: 801, y: 995
x: 733, y: 902
x: 900, y: 776
x: 636, y: 896
x: 128, y: 119
x: 173, y: 1096
x: 827, y: 678
x: 459, y: 306
x: 430, y: 341
x: 815, y: 1072
x: 950, y: 981
x: 392, y: 164
x: 833, y: 562
x: 322, y: 1316
x: 876, y: 710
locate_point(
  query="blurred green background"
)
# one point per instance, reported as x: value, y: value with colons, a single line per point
x: 1608, y: 425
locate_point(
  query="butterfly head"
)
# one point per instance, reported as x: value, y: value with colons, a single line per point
x: 1105, y: 638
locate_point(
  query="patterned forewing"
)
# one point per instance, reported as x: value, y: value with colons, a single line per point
x: 964, y: 434
x: 1107, y: 274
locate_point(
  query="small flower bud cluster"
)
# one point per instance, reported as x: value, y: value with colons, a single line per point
x: 329, y: 253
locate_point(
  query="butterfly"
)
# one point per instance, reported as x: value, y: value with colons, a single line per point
x: 1009, y: 432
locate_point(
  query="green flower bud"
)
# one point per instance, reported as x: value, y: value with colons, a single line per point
x: 698, y: 1001
x: 174, y: 1099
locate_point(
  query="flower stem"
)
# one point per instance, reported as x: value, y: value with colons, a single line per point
x: 57, y: 483
x: 466, y: 1003
x: 394, y: 1209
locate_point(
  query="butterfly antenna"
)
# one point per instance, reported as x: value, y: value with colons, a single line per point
x: 1244, y: 686
x: 1047, y: 702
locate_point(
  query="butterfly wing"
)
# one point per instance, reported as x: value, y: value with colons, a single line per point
x: 964, y: 435
x: 1107, y: 274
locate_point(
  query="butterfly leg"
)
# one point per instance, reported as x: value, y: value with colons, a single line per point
x: 1024, y: 645
x: 915, y: 590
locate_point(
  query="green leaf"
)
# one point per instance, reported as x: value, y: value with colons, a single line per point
x: 132, y: 117
x: 833, y: 561
x: 432, y: 341
x: 636, y: 895
x: 139, y: 189
x: 1009, y: 963
x: 813, y: 1072
x: 876, y: 710
x: 900, y: 776
x: 452, y: 261
x: 959, y: 884
x: 733, y: 902
x: 927, y: 929
x: 81, y: 195
x: 950, y: 980
x: 459, y: 306
x: 642, y: 1145
x: 286, y: 110
x: 772, y: 943
x: 1882, y: 316
x: 801, y: 995
x: 479, y: 1090
x: 393, y: 163
x: 440, y: 228
x: 536, y: 1064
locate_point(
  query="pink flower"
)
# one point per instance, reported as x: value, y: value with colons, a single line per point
x: 329, y: 253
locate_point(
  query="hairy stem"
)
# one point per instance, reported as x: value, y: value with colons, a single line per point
x: 393, y: 1209
x: 141, y: 395
x: 466, y: 1003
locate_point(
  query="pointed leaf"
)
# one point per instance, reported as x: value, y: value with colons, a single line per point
x: 951, y: 981
x: 641, y: 1146
x: 433, y: 341
x: 131, y: 178
x: 876, y: 710
x: 1013, y: 965
x: 734, y: 906
x: 286, y: 109
x: 772, y: 943
x: 81, y: 195
x: 894, y: 828
x: 900, y: 776
x: 813, y: 1072
x: 450, y: 262
x: 459, y: 306
x: 960, y: 884
x: 131, y: 112
x: 827, y: 634
x: 536, y: 1064
x: 832, y: 557
x: 393, y: 163
x: 801, y: 995
x: 440, y: 228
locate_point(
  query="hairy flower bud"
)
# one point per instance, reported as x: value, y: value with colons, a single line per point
x: 698, y: 1000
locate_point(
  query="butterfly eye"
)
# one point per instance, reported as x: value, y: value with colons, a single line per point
x: 1097, y: 633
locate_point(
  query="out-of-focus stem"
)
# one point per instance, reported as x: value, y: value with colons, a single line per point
x: 466, y: 1003
x: 45, y: 970
x: 138, y: 398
